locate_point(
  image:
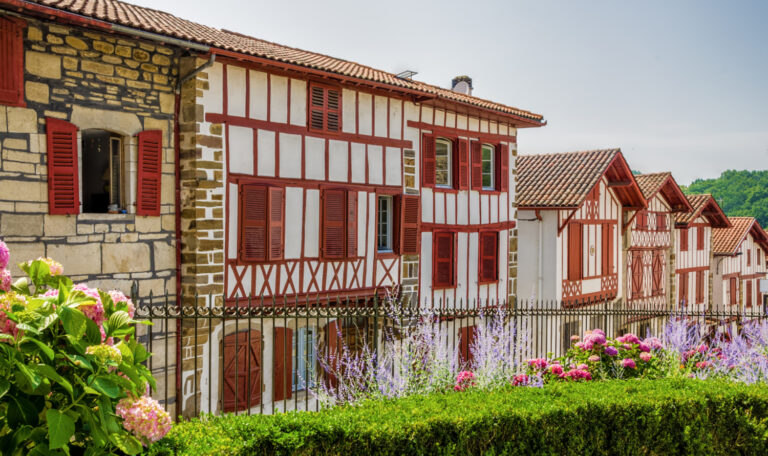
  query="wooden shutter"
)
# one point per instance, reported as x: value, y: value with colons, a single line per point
x: 477, y: 166
x: 63, y: 183
x: 466, y: 339
x: 276, y: 221
x: 699, y: 287
x: 253, y: 222
x: 502, y: 167
x: 749, y: 257
x: 463, y: 165
x: 684, y: 288
x: 657, y: 273
x: 333, y: 344
x: 574, y: 251
x: 282, y: 364
x: 428, y: 161
x: 352, y: 224
x: 749, y: 293
x: 241, y: 388
x: 734, y: 291
x: 684, y: 240
x: 442, y: 252
x: 11, y: 61
x: 699, y: 238
x: 637, y: 274
x: 149, y: 175
x: 333, y: 229
x: 661, y: 222
x: 489, y: 259
x: 410, y: 214
x: 324, y: 109
x: 605, y: 249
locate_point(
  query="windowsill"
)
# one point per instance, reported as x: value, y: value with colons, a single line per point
x: 99, y: 217
x: 386, y: 254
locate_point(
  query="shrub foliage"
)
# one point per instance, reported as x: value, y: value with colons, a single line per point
x: 668, y: 416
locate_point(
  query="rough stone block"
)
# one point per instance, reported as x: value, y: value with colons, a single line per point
x: 126, y: 72
x: 77, y: 258
x: 35, y: 91
x: 23, y: 252
x: 16, y: 190
x: 97, y: 67
x: 122, y: 51
x: 31, y: 207
x: 34, y: 34
x: 104, y: 47
x: 148, y: 224
x: 59, y: 225
x: 21, y: 225
x: 166, y: 103
x: 22, y: 120
x: 43, y: 64
x: 140, y: 55
x: 165, y: 255
x: 15, y: 143
x: 125, y: 258
x: 168, y: 222
x: 76, y: 43
x: 19, y: 167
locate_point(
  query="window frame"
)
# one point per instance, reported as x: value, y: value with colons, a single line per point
x: 390, y: 248
x: 124, y: 202
x: 325, y: 109
x: 450, y: 163
x: 492, y: 150
x: 309, y: 333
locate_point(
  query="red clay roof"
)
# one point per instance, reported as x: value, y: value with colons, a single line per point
x: 162, y: 23
x: 666, y: 184
x: 564, y: 180
x: 725, y: 241
x: 703, y: 204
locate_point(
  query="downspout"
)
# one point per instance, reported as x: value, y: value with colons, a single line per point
x: 177, y: 196
x: 540, y: 279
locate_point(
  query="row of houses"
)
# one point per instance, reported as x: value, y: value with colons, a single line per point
x: 209, y: 166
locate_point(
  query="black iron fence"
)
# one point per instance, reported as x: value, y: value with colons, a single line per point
x: 258, y: 356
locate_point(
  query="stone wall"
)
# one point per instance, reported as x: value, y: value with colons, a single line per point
x: 513, y: 237
x: 92, y: 80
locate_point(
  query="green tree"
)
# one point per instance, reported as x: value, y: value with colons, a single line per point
x: 739, y: 193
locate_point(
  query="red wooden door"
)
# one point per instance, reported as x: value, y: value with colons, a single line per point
x: 241, y: 386
x: 466, y: 339
x: 282, y: 364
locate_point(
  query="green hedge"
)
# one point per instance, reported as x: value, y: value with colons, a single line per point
x: 670, y: 416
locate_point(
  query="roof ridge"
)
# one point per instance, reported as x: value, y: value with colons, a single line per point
x: 549, y: 154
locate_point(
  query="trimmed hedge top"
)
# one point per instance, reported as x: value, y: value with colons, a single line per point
x: 670, y: 416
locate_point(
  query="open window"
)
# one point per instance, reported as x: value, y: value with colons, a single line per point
x: 488, y: 167
x: 443, y: 163
x: 103, y: 172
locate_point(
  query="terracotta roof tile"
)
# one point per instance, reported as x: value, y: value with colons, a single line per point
x: 726, y: 240
x: 699, y: 203
x: 166, y: 24
x: 664, y: 183
x: 564, y: 179
x: 650, y: 183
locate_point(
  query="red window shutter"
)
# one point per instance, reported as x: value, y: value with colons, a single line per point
x: 699, y: 287
x: 410, y: 214
x: 442, y: 273
x: 734, y: 291
x: 149, y: 175
x: 477, y: 166
x: 700, y: 238
x: 282, y: 364
x: 463, y: 164
x: 11, y: 61
x: 466, y: 339
x: 428, y: 161
x: 352, y: 224
x: 63, y: 183
x: 324, y: 109
x: 276, y: 221
x: 574, y: 251
x: 502, y: 167
x: 749, y: 293
x: 242, y: 371
x: 637, y: 274
x: 333, y: 229
x: 605, y: 235
x: 684, y: 240
x: 657, y: 273
x: 749, y: 257
x: 253, y: 222
x: 661, y: 222
x: 489, y: 260
x: 684, y: 288
x: 333, y: 343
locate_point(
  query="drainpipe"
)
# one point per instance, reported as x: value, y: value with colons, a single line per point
x: 541, y: 259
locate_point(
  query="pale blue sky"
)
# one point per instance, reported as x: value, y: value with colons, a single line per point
x: 678, y: 85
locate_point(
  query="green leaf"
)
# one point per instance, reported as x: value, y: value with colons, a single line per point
x: 119, y: 320
x: 74, y: 322
x: 46, y: 350
x: 32, y: 379
x: 39, y: 272
x: 140, y: 354
x: 49, y: 372
x: 48, y: 321
x: 21, y: 286
x: 92, y: 333
x: 20, y: 411
x: 79, y: 361
x: 60, y: 428
x: 5, y: 385
x: 127, y: 443
x: 125, y: 351
x: 106, y: 387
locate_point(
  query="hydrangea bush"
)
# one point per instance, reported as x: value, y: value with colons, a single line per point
x: 72, y: 378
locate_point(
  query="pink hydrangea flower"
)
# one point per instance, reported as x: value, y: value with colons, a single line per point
x: 645, y: 356
x: 94, y: 311
x: 144, y: 418
x: 5, y: 280
x: 52, y: 293
x: 644, y: 347
x: 594, y: 358
x: 575, y: 338
x: 576, y: 374
x: 582, y: 367
x: 464, y: 380
x: 611, y: 351
x: 628, y: 363
x: 7, y: 300
x: 703, y: 364
x: 703, y: 348
x: 119, y: 296
x: 628, y: 338
x: 594, y: 338
x: 556, y: 369
x: 5, y: 255
x: 538, y: 363
x: 654, y: 343
x: 580, y: 345
x: 520, y: 380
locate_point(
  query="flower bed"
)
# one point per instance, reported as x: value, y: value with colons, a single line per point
x: 668, y: 416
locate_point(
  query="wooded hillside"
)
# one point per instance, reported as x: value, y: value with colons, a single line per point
x: 739, y: 193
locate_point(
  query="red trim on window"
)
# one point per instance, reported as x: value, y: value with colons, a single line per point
x: 333, y: 228
x: 149, y: 172
x: 253, y: 231
x: 12, y: 61
x: 63, y: 183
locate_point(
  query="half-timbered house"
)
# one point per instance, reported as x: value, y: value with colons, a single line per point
x: 739, y: 263
x: 693, y: 255
x: 650, y: 251
x: 573, y: 210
